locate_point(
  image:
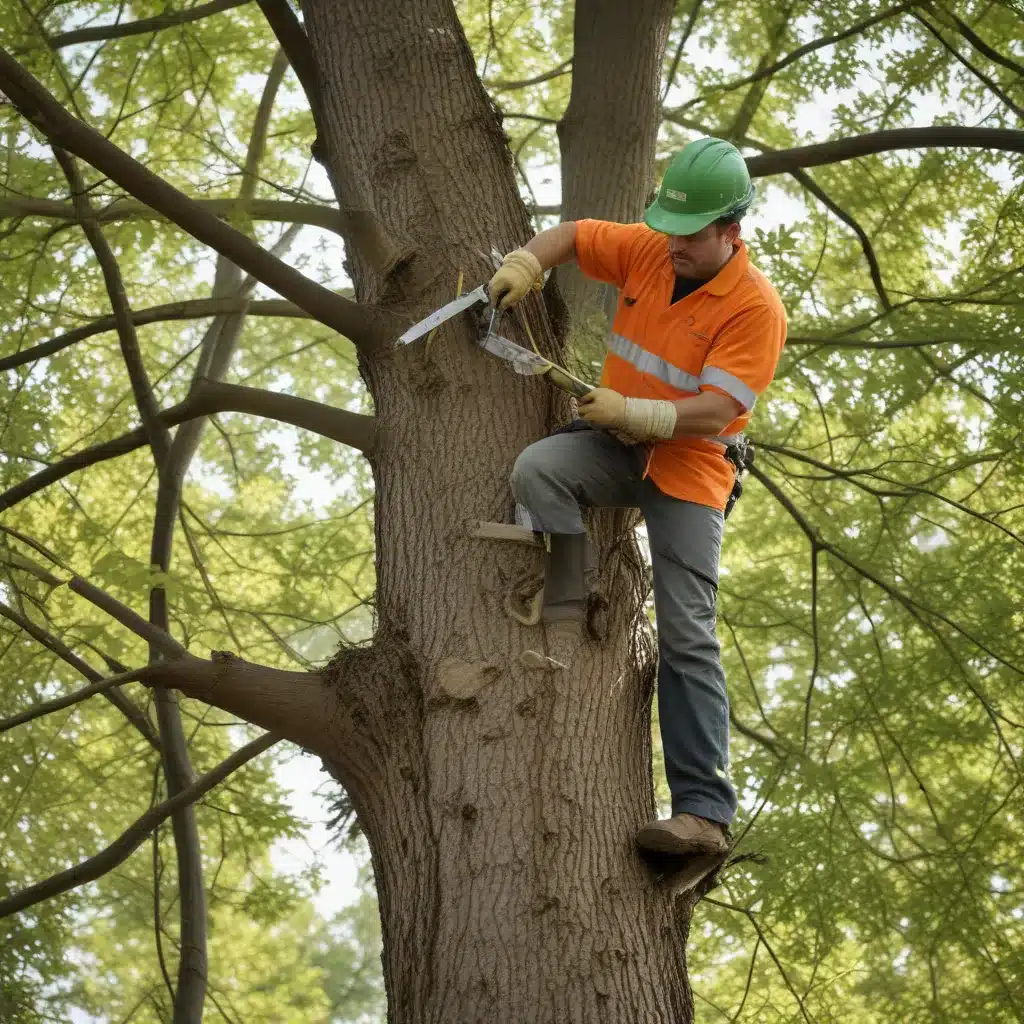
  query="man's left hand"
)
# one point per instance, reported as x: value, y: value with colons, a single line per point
x: 603, y: 407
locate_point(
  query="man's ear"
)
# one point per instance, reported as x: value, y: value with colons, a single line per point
x: 732, y: 232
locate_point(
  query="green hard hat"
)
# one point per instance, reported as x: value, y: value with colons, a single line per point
x: 706, y: 180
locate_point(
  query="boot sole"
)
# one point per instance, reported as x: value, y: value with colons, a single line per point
x: 660, y: 841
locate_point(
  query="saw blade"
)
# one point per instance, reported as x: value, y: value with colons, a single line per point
x: 531, y: 364
x: 446, y: 312
x: 523, y: 360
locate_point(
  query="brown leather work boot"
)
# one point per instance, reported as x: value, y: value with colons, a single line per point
x: 683, y: 835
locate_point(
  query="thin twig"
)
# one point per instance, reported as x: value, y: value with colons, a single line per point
x: 48, y: 707
x: 749, y: 915
x: 684, y: 38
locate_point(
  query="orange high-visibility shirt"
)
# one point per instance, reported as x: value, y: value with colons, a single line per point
x: 726, y: 336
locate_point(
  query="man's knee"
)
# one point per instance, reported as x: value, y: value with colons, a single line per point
x: 532, y: 469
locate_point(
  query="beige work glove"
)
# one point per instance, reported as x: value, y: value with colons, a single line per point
x: 519, y: 272
x: 643, y: 419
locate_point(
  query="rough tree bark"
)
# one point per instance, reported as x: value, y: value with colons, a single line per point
x: 608, y: 133
x: 499, y: 801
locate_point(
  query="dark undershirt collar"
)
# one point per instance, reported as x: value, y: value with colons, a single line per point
x: 685, y: 286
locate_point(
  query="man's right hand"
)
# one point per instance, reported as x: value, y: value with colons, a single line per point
x: 519, y: 272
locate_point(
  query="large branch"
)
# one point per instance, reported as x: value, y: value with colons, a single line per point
x: 325, y: 217
x: 168, y: 19
x: 189, y: 309
x: 218, y: 347
x: 785, y: 161
x: 127, y: 707
x: 364, y: 325
x: 837, y: 150
x: 350, y: 428
x: 123, y: 847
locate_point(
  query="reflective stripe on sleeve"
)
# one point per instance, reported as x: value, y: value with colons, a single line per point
x: 648, y: 362
x: 730, y: 384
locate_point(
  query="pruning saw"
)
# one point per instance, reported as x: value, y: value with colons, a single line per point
x: 523, y: 360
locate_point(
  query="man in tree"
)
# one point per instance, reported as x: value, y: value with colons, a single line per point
x: 696, y: 338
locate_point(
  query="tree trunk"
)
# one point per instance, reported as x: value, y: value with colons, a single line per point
x: 499, y: 801
x: 609, y: 133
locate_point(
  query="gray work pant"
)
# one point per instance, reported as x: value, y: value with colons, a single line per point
x: 556, y: 476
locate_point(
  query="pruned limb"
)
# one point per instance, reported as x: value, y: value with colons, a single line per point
x: 313, y: 214
x: 145, y: 400
x: 127, y: 707
x: 169, y: 19
x: 58, y: 703
x: 191, y: 309
x: 126, y: 844
x: 363, y: 325
x: 295, y: 704
x: 351, y: 428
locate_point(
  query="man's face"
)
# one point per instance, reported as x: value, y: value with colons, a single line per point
x: 702, y: 254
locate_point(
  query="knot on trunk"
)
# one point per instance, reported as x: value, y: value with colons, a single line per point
x: 461, y: 681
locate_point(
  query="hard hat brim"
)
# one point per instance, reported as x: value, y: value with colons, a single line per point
x: 677, y: 223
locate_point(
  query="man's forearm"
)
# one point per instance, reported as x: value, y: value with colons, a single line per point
x: 555, y: 245
x: 705, y: 415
